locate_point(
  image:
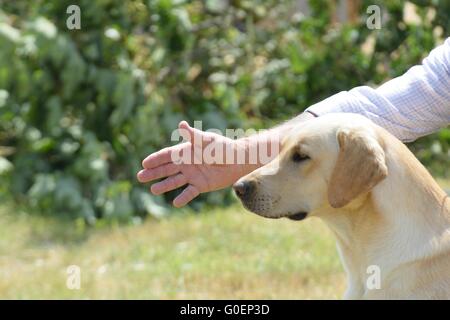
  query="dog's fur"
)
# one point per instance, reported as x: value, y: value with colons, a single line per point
x: 383, y: 206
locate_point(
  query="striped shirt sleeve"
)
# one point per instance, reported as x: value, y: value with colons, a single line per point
x: 410, y: 106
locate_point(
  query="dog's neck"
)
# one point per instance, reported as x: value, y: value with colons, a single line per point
x: 405, y: 219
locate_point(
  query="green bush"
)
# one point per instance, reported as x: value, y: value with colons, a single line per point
x: 79, y: 109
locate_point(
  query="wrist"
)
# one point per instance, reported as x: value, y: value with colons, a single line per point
x: 272, y: 138
x: 245, y: 162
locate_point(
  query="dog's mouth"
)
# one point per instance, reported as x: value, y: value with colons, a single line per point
x: 265, y: 210
x: 298, y: 216
x: 295, y: 216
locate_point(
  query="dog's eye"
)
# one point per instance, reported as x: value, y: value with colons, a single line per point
x: 298, y: 157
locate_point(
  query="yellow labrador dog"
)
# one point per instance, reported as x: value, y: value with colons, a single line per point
x: 384, y: 208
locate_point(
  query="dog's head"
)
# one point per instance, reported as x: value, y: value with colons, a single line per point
x: 327, y: 162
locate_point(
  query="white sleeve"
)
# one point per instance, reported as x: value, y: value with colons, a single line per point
x: 410, y: 106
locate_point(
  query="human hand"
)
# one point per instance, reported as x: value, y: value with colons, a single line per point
x: 199, y: 177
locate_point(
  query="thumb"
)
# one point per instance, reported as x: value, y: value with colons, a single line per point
x: 186, y: 131
x: 192, y: 132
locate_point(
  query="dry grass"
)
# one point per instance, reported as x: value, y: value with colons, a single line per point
x: 225, y: 254
x: 445, y: 184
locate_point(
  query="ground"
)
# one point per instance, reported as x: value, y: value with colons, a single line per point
x: 223, y: 254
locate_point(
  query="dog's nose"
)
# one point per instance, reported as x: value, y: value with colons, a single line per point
x: 244, y: 189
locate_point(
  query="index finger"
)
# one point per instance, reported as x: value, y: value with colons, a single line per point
x: 161, y: 157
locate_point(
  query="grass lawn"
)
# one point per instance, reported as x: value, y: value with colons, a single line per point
x: 225, y: 254
x: 445, y: 184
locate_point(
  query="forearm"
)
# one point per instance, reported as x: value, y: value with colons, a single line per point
x: 262, y: 147
x: 409, y: 106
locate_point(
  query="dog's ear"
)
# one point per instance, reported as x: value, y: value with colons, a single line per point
x: 360, y: 166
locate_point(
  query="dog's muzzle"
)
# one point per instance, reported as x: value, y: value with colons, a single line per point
x: 261, y: 204
x: 257, y: 203
x: 244, y: 189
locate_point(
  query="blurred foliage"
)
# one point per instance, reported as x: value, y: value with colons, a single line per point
x: 79, y: 109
